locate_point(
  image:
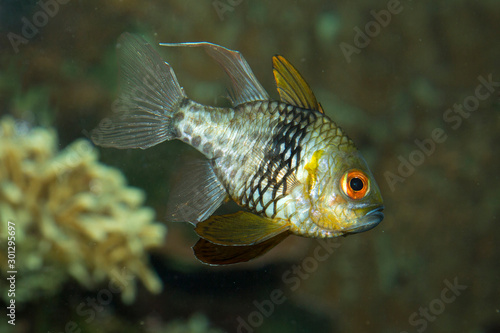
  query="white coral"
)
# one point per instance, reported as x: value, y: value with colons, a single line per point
x: 73, y: 216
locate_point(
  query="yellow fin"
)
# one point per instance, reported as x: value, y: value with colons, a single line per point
x: 214, y: 254
x: 241, y: 228
x: 292, y: 87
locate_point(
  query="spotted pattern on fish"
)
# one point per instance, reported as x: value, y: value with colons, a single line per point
x: 280, y: 161
x: 257, y: 164
x: 286, y: 162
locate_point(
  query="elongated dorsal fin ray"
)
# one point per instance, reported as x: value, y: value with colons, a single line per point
x: 292, y: 87
x: 246, y: 87
x: 241, y: 228
x: 214, y: 254
x: 197, y: 195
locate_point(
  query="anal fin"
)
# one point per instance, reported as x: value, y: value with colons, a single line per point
x: 214, y: 254
x: 241, y: 228
x: 197, y: 195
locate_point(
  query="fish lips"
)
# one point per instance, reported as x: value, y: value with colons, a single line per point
x: 367, y: 222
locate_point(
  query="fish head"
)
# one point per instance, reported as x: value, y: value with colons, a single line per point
x: 345, y: 197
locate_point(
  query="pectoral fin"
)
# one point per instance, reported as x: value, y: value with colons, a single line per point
x: 292, y: 87
x: 238, y: 229
x: 214, y: 254
x: 198, y: 195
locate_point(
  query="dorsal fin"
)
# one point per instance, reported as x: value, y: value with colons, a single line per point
x: 292, y: 87
x: 246, y: 87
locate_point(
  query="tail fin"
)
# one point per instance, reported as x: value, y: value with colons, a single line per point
x: 150, y: 95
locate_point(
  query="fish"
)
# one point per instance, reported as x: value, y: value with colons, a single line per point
x: 291, y: 169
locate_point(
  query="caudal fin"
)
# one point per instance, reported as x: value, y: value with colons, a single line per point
x: 149, y: 96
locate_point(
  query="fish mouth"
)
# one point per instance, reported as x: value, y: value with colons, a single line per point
x: 369, y: 221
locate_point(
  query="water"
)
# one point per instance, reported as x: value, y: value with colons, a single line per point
x: 414, y: 84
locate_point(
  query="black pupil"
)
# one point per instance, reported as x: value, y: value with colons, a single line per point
x: 356, y: 184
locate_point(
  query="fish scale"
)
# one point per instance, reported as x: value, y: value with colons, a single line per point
x: 275, y: 140
x: 287, y: 163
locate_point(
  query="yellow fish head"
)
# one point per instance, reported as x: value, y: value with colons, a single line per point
x: 345, y: 197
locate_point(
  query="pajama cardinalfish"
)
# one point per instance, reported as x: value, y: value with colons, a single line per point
x: 290, y: 167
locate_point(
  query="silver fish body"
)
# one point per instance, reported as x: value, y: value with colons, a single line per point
x: 287, y: 163
x: 258, y: 149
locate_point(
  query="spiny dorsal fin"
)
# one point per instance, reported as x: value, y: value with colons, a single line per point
x: 292, y: 87
x: 214, y: 254
x: 241, y: 228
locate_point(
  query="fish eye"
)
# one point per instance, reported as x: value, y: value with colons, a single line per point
x: 355, y: 184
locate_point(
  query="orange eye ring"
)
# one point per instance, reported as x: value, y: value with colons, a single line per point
x: 355, y: 184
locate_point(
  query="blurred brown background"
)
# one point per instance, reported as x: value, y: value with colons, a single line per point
x: 396, y: 86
